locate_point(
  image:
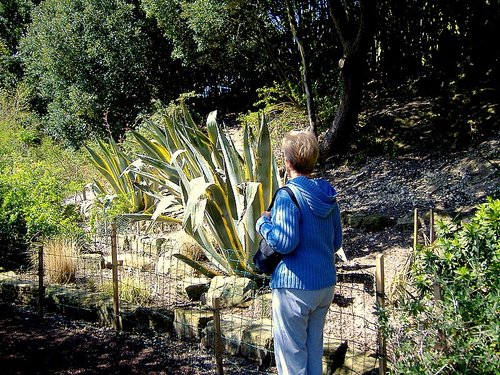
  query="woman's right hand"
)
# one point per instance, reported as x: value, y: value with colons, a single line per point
x: 266, y: 214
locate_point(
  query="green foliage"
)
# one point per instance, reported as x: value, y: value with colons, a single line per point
x: 114, y: 165
x: 32, y: 193
x: 36, y: 175
x: 7, y: 78
x: 459, y: 333
x: 219, y: 41
x: 167, y: 14
x: 196, y: 28
x: 130, y: 290
x: 14, y: 17
x: 283, y: 115
x: 208, y: 19
x: 90, y: 62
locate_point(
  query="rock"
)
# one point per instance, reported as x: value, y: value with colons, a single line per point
x: 141, y: 262
x: 7, y: 275
x: 91, y: 262
x: 18, y: 291
x: 257, y: 343
x: 367, y: 222
x: 194, y: 287
x: 232, y: 328
x: 376, y: 222
x: 405, y: 222
x: 189, y: 323
x: 253, y: 340
x: 147, y: 320
x: 231, y: 290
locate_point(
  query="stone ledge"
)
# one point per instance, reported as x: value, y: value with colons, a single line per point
x: 244, y: 337
x: 79, y: 304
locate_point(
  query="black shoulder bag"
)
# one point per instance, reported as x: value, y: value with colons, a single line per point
x: 266, y: 259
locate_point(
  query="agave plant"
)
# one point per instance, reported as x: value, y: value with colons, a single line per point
x: 114, y: 165
x: 221, y: 192
x: 198, y: 179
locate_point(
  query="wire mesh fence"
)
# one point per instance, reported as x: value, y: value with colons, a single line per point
x: 126, y: 274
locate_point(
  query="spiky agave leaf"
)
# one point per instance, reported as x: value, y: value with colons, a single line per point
x: 221, y: 191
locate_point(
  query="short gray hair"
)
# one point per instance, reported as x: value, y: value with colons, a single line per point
x: 301, y: 149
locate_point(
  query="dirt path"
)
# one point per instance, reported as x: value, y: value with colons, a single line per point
x: 53, y: 345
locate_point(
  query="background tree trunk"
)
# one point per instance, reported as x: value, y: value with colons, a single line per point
x: 354, y: 27
x: 337, y: 138
x: 306, y: 79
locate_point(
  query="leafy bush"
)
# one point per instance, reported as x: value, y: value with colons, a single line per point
x: 36, y: 176
x: 282, y: 111
x: 89, y: 60
x: 458, y: 332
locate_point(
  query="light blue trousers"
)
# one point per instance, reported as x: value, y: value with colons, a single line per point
x: 298, y: 322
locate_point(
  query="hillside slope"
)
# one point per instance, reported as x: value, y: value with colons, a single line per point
x: 412, y: 160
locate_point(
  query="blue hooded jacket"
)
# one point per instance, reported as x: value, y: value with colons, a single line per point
x: 308, y: 236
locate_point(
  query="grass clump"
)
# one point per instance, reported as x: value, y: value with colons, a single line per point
x: 131, y: 290
x: 60, y: 260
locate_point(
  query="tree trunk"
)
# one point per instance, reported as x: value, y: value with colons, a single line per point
x: 311, y: 110
x: 354, y: 33
x: 337, y: 138
x: 306, y: 79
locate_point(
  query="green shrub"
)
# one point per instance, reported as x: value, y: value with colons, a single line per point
x: 459, y: 333
x: 198, y: 178
x: 36, y: 176
x: 282, y: 112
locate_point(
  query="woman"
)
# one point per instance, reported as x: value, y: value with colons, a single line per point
x: 308, y: 236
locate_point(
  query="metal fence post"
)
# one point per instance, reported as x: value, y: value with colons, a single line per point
x: 114, y: 265
x: 380, y: 285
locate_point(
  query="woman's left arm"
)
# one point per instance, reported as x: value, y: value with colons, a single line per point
x: 281, y: 230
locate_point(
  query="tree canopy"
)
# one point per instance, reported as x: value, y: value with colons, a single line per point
x: 95, y: 65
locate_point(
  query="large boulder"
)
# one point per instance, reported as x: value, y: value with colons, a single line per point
x: 230, y: 290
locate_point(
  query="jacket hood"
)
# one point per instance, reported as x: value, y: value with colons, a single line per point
x: 317, y: 193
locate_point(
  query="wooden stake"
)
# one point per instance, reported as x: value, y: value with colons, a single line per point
x: 380, y: 286
x: 41, y: 287
x: 431, y: 226
x: 114, y: 266
x: 217, y: 336
x: 415, y: 229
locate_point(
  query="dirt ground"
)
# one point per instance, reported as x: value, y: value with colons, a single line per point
x: 53, y: 345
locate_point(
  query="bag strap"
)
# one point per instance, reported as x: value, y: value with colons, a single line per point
x: 290, y: 193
